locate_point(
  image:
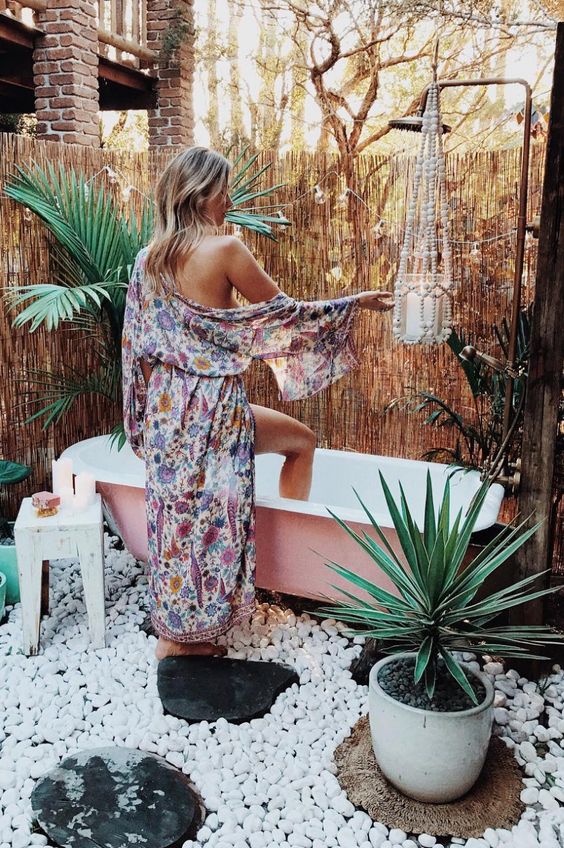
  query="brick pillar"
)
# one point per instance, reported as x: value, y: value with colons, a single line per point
x: 170, y: 29
x: 65, y: 73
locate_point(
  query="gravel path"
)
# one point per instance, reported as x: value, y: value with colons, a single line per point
x: 267, y: 783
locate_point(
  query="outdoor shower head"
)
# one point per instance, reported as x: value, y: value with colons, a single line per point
x: 411, y: 123
x: 469, y: 354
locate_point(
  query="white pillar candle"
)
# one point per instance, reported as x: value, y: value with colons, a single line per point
x: 67, y: 496
x: 62, y: 475
x: 412, y: 326
x: 85, y: 486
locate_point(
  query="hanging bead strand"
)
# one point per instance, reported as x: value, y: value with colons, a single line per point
x: 423, y: 287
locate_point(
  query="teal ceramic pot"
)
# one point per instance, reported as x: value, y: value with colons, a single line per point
x: 9, y: 567
x: 2, y: 595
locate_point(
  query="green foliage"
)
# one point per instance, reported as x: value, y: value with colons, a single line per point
x: 478, y: 428
x: 18, y: 123
x: 178, y: 30
x: 94, y: 242
x: 10, y: 473
x: 435, y: 611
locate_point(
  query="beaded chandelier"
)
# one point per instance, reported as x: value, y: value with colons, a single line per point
x: 423, y: 288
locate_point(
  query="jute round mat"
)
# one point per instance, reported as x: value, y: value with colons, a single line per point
x: 492, y: 802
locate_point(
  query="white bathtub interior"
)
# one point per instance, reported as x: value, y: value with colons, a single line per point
x: 335, y: 474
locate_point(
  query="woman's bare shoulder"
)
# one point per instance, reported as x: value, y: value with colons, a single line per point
x: 223, y: 243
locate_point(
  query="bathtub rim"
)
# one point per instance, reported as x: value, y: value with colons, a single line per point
x: 493, y: 500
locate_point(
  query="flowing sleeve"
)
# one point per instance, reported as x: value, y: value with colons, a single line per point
x: 133, y: 381
x: 311, y: 347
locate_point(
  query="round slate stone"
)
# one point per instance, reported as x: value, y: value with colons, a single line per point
x: 115, y: 798
x: 207, y: 688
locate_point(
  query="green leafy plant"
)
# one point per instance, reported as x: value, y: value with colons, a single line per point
x: 94, y: 239
x: 479, y: 427
x: 179, y: 29
x: 10, y: 473
x: 435, y: 611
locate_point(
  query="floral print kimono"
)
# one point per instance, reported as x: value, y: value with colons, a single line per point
x: 194, y: 428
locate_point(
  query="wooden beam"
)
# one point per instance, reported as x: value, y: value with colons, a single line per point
x: 36, y: 5
x: 124, y: 88
x: 127, y: 46
x: 547, y: 352
x: 15, y: 97
x: 19, y: 33
x: 14, y: 32
x: 124, y: 75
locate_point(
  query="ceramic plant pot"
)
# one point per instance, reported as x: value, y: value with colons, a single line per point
x: 9, y: 567
x: 2, y: 595
x: 431, y: 756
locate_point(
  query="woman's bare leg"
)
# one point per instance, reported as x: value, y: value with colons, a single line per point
x: 275, y: 433
x: 280, y: 433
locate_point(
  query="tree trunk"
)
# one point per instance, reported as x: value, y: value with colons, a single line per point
x: 210, y: 64
x: 298, y: 93
x: 547, y: 353
x: 237, y: 130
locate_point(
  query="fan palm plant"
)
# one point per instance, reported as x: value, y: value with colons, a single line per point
x: 435, y: 611
x: 93, y: 245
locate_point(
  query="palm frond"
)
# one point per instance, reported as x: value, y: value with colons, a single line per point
x: 93, y: 242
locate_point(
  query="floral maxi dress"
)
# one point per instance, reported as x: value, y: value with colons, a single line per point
x: 194, y: 428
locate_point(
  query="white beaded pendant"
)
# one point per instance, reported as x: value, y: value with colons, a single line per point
x: 423, y: 290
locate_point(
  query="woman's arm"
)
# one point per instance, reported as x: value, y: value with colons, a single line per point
x: 246, y: 275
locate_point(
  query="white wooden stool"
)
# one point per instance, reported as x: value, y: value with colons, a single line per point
x: 67, y: 534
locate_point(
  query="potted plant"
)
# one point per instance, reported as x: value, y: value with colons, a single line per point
x: 10, y: 472
x: 2, y: 595
x: 430, y: 714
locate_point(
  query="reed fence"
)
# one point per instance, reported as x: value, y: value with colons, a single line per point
x: 340, y: 246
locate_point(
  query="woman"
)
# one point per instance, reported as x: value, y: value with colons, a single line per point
x: 186, y: 342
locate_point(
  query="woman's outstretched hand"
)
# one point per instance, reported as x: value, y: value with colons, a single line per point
x: 378, y: 301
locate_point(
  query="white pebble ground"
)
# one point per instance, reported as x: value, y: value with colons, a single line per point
x: 270, y: 782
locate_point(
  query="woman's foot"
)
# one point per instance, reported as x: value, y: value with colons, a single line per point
x: 167, y: 648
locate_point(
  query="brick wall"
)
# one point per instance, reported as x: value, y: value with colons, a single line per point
x: 172, y: 122
x: 65, y: 73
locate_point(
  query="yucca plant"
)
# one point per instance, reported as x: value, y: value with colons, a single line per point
x: 94, y: 240
x: 436, y: 611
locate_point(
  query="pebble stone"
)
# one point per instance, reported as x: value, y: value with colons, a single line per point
x: 266, y: 783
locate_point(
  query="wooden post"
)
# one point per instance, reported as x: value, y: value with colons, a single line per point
x: 547, y: 353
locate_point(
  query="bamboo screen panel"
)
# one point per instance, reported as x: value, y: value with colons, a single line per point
x: 330, y: 250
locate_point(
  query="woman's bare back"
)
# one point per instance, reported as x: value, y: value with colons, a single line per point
x: 203, y: 277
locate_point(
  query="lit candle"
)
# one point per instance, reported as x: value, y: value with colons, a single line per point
x: 62, y: 475
x: 413, y: 327
x: 85, y: 485
x: 426, y: 327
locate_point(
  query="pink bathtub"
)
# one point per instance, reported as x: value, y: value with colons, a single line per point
x: 289, y: 532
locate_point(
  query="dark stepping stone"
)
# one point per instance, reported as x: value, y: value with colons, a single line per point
x: 208, y: 688
x: 116, y: 798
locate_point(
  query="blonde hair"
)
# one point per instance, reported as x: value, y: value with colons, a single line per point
x: 189, y: 180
